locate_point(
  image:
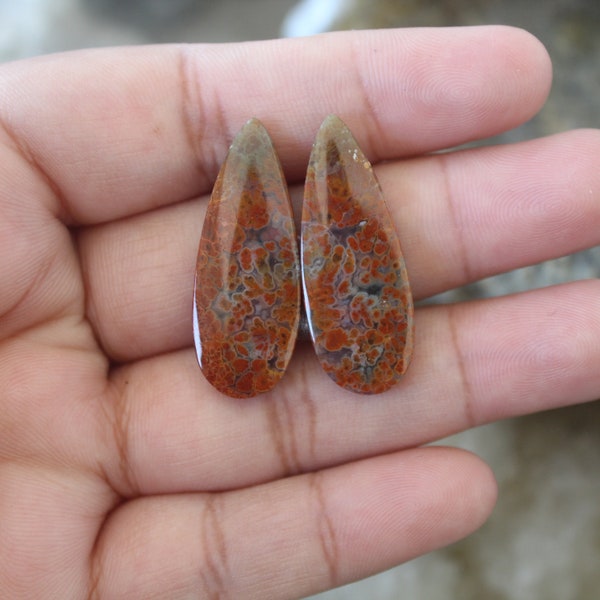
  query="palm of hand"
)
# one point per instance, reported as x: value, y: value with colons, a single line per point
x: 123, y: 474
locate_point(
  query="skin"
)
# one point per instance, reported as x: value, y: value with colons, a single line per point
x: 123, y: 474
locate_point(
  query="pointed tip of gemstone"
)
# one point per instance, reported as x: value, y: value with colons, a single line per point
x: 252, y: 143
x: 332, y: 125
x: 252, y: 122
x: 328, y: 123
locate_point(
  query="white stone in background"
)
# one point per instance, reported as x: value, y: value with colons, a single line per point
x: 34, y: 27
x: 313, y: 16
x: 22, y: 27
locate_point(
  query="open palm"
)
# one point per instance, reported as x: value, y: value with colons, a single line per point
x: 123, y: 474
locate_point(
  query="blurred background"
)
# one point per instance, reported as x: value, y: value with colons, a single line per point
x: 543, y: 540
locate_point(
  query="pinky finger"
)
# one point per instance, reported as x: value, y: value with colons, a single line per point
x: 296, y: 536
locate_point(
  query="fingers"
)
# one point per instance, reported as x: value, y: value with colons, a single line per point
x: 464, y: 216
x: 460, y: 216
x: 473, y: 363
x: 525, y: 368
x: 296, y: 536
x: 126, y: 130
x: 49, y: 521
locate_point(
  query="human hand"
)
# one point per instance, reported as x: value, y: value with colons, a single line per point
x: 123, y: 474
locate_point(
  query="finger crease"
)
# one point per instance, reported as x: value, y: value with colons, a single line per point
x: 214, y: 545
x: 96, y: 567
x: 89, y: 304
x: 28, y: 155
x: 120, y: 425
x: 95, y: 575
x: 374, y: 131
x: 465, y: 385
x: 452, y: 211
x: 97, y: 553
x: 47, y: 263
x: 283, y: 433
x: 195, y: 121
x: 326, y: 532
x: 299, y: 380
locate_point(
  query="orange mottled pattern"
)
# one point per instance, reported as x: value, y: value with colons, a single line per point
x: 247, y: 297
x: 357, y: 296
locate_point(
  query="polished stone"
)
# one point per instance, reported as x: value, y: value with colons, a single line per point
x: 356, y: 291
x: 247, y: 296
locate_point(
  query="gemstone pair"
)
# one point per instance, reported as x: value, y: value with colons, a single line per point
x: 247, y: 301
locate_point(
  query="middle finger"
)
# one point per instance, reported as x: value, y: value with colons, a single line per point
x: 460, y: 217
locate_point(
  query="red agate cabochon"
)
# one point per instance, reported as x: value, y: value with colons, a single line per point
x: 356, y: 290
x: 247, y: 297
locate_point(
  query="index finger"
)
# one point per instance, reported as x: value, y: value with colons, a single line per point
x: 125, y: 130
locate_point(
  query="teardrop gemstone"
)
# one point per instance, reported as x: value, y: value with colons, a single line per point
x: 247, y: 294
x: 356, y: 291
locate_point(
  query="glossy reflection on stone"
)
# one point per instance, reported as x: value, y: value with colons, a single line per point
x: 247, y: 298
x: 356, y: 291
